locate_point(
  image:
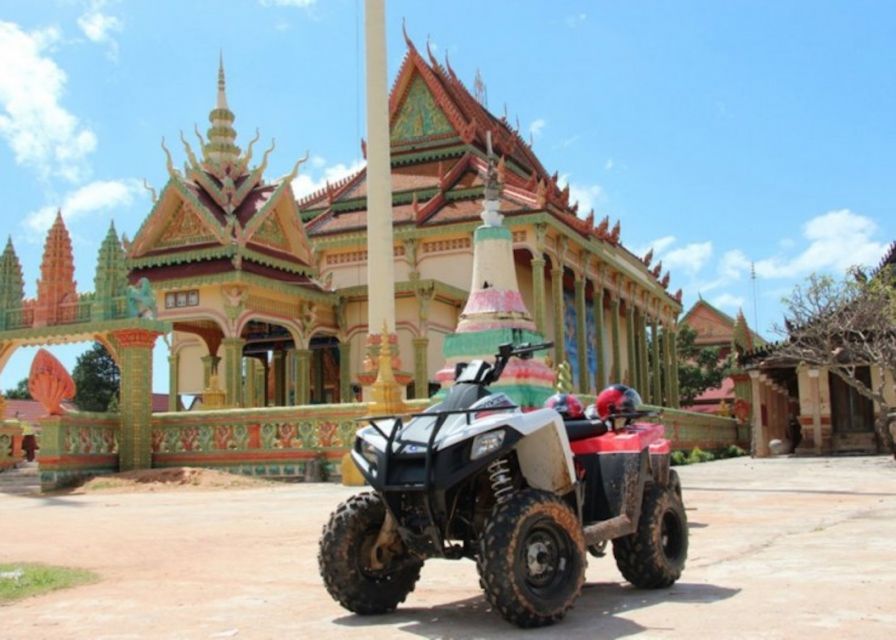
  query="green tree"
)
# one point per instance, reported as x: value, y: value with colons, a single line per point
x: 19, y: 392
x: 97, y: 379
x: 699, y: 368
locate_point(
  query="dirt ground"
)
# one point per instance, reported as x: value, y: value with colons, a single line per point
x: 780, y: 548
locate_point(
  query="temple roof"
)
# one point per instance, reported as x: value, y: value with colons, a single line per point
x: 438, y: 133
x: 218, y: 202
x: 715, y: 327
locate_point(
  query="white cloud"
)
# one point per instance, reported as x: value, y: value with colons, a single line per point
x: 99, y: 27
x: 689, y: 258
x: 304, y: 184
x: 657, y: 246
x: 728, y: 300
x: 609, y: 164
x: 536, y: 127
x: 734, y: 264
x: 837, y: 240
x: 41, y: 133
x: 576, y: 20
x: 98, y: 196
x: 586, y: 195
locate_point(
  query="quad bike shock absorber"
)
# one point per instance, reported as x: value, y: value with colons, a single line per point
x: 499, y: 476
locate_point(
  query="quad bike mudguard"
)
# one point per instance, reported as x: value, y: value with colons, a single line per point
x: 617, y: 465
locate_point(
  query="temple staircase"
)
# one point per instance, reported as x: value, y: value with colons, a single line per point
x: 23, y: 479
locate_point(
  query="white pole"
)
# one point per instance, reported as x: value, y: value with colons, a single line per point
x: 380, y: 265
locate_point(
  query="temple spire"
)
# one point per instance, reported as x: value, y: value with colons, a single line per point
x: 220, y: 148
x: 222, y: 88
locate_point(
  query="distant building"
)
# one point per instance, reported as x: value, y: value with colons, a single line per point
x: 715, y: 328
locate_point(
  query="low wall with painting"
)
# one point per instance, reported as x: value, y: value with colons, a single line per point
x: 687, y: 429
x: 280, y: 442
x: 75, y: 446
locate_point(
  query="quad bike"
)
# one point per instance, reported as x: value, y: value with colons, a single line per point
x: 523, y: 494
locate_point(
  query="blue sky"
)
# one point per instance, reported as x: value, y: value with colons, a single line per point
x: 721, y: 133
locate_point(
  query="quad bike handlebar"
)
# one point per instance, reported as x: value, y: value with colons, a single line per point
x: 509, y: 350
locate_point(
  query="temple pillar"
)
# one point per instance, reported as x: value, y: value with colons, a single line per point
x: 135, y: 397
x: 251, y: 394
x: 581, y: 343
x: 674, y: 399
x: 538, y: 293
x: 345, y: 373
x: 815, y: 395
x: 758, y: 444
x: 643, y: 381
x: 656, y: 379
x: 667, y: 365
x: 317, y: 366
x: 209, y: 366
x: 278, y: 368
x: 421, y: 370
x: 630, y: 379
x: 173, y: 380
x: 616, y: 369
x: 600, y: 379
x: 303, y: 376
x: 233, y: 370
x: 559, y: 323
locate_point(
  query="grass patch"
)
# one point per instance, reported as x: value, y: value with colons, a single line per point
x: 23, y: 580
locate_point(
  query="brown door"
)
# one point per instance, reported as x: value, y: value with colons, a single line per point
x: 851, y: 412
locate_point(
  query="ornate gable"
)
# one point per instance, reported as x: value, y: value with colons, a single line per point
x: 184, y: 228
x: 271, y: 233
x: 419, y: 116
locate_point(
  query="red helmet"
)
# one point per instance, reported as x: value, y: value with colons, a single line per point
x: 617, y: 398
x: 566, y: 404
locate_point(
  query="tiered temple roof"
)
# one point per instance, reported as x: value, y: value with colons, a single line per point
x: 438, y: 153
x: 220, y: 215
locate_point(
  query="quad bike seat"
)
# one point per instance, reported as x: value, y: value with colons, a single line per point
x: 584, y: 429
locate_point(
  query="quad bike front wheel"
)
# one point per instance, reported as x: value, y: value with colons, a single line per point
x: 653, y: 557
x: 531, y: 558
x: 346, y: 563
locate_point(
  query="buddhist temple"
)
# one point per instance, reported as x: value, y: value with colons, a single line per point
x: 270, y: 292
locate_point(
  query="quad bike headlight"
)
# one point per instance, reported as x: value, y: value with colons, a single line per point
x: 485, y: 443
x: 368, y: 452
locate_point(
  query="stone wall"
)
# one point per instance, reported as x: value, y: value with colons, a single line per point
x: 10, y: 444
x: 75, y: 446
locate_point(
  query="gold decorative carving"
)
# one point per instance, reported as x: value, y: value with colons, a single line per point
x: 184, y: 228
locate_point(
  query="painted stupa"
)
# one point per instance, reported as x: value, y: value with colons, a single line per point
x: 495, y: 312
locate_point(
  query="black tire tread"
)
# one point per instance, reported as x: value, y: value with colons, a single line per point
x: 640, y: 556
x: 341, y: 542
x: 497, y: 549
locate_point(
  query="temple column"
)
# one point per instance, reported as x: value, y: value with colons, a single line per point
x: 251, y: 391
x: 538, y: 293
x: 600, y: 379
x: 673, y: 398
x: 581, y: 343
x: 559, y: 323
x: 135, y: 397
x: 667, y: 365
x: 303, y: 376
x: 421, y: 368
x: 643, y: 381
x: 631, y: 378
x: 616, y: 369
x: 233, y: 369
x: 317, y: 366
x: 815, y: 399
x: 173, y: 380
x: 209, y: 366
x: 279, y: 371
x: 656, y: 379
x: 345, y: 373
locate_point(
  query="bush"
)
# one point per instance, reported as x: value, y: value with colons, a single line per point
x: 699, y: 455
x: 679, y: 458
x: 731, y: 451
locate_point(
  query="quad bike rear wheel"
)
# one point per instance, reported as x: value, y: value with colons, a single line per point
x: 346, y: 565
x: 653, y: 557
x: 531, y: 558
